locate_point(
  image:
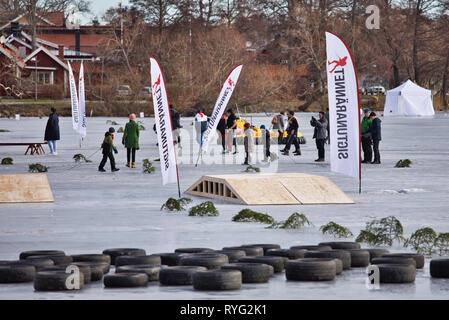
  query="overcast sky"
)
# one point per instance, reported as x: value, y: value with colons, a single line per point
x: 99, y: 7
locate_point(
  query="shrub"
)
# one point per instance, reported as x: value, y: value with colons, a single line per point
x: 37, y: 167
x: 113, y: 123
x: 120, y: 130
x: 295, y: 221
x: 80, y: 157
x: 204, y: 209
x: 176, y: 205
x: 336, y: 230
x: 250, y: 168
x: 423, y: 241
x: 248, y: 215
x: 403, y: 163
x: 383, y: 231
x: 442, y: 244
x: 4, y: 130
x: 141, y: 126
x: 148, y: 166
x: 7, y: 161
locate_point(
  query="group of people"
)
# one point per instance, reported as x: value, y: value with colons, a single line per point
x: 227, y: 127
x: 371, y: 137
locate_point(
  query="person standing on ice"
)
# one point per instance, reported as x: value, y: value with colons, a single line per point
x: 131, y: 140
x: 266, y: 139
x: 221, y: 128
x: 231, y: 124
x: 376, y: 135
x: 292, y: 131
x: 278, y: 124
x: 366, y: 137
x: 200, y: 126
x: 52, y: 131
x: 249, y: 143
x: 108, y: 147
x: 320, y: 134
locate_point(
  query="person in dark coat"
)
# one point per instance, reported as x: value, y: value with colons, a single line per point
x: 320, y: 134
x: 221, y: 127
x: 231, y: 124
x: 292, y: 131
x: 52, y: 131
x: 176, y: 123
x: 108, y: 148
x: 376, y: 135
x: 266, y: 138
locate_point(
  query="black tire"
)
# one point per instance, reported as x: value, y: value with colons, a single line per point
x: 57, y: 260
x: 96, y: 270
x: 250, y: 251
x: 193, y: 250
x: 419, y: 258
x: 439, y: 268
x: 125, y: 280
x: 265, y: 247
x: 397, y: 273
x: 252, y: 272
x: 311, y: 269
x: 311, y: 248
x: 54, y: 281
x: 136, y: 260
x: 339, y: 266
x: 377, y: 253
x: 287, y: 253
x: 17, y: 273
x: 178, y: 276
x: 391, y: 260
x: 277, y: 263
x: 152, y: 271
x: 218, y: 280
x: 343, y: 255
x: 26, y: 254
x: 117, y: 252
x: 92, y: 258
x: 233, y: 255
x: 341, y: 245
x: 39, y: 263
x: 171, y: 259
x: 12, y: 262
x: 211, y: 261
x: 84, y: 269
x: 359, y: 258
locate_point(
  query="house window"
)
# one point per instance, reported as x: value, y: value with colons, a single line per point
x: 45, y: 77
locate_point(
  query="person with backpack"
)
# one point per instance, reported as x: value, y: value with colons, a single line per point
x: 278, y: 124
x: 108, y: 147
x: 320, y: 134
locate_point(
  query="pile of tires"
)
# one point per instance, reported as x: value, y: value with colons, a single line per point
x: 311, y: 269
x: 252, y: 272
x: 439, y: 268
x: 117, y: 252
x: 210, y: 261
x: 223, y: 279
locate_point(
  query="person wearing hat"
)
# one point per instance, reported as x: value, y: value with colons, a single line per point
x: 366, y: 137
x: 376, y: 135
x: 249, y: 143
x: 108, y: 147
x: 320, y: 134
x: 131, y: 140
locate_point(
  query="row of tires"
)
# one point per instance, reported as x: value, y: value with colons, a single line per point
x: 208, y: 269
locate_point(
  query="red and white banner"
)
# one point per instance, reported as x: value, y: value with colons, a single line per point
x: 220, y: 105
x: 82, y: 104
x: 164, y: 126
x: 344, y: 108
x: 74, y: 100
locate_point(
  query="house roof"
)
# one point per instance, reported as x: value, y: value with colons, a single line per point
x: 47, y: 52
x: 39, y: 40
x: 23, y: 15
x: 8, y: 53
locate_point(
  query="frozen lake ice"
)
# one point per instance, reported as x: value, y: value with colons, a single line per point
x: 94, y: 211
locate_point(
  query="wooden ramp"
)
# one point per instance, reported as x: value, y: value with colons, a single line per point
x: 24, y: 188
x: 270, y: 189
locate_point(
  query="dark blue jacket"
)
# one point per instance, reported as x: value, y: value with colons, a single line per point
x: 376, y: 129
x: 52, y: 129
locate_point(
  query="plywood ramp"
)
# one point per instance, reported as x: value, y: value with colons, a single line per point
x: 24, y: 188
x: 270, y: 189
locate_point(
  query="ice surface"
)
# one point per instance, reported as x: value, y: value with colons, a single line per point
x: 94, y: 211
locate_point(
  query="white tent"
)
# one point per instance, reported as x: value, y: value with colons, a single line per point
x: 409, y: 99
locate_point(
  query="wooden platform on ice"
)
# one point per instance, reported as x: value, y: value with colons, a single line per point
x: 270, y: 189
x: 24, y: 188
